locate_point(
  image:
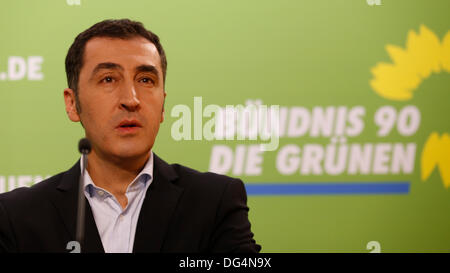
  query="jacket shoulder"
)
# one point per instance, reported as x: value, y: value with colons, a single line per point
x: 205, y: 180
x: 35, y: 193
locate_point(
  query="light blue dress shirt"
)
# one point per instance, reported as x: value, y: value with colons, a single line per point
x: 117, y: 226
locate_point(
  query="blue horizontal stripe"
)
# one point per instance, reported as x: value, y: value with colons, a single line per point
x: 394, y: 187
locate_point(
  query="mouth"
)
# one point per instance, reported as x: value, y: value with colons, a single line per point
x: 128, y: 126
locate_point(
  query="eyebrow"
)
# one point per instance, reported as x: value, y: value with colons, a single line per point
x: 101, y: 66
x: 147, y: 68
x: 142, y: 68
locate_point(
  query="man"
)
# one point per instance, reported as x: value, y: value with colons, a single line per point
x: 135, y: 201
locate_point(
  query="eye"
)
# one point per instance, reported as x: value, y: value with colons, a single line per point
x: 147, y: 80
x: 107, y: 79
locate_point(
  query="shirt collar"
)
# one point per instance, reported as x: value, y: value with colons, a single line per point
x: 145, y: 177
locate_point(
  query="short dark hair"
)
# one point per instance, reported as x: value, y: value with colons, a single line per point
x: 122, y: 29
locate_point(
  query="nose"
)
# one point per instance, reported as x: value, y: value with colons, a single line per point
x: 128, y: 99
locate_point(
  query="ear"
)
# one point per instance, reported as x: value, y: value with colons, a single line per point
x: 162, y: 114
x: 71, y: 105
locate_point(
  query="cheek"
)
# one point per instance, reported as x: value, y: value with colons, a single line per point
x: 155, y: 105
x: 95, y: 120
x: 154, y: 117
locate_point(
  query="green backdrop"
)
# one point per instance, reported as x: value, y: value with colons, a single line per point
x: 309, y: 54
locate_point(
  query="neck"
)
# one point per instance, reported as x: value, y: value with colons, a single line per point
x: 114, y: 175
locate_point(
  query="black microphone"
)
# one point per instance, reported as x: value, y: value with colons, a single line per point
x: 84, y: 146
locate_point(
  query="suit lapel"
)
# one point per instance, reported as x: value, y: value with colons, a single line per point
x: 159, y: 205
x: 65, y: 200
x: 92, y: 240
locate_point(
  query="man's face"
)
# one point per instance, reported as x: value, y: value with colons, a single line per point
x: 121, y: 94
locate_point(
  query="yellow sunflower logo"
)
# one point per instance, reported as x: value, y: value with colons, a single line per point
x: 424, y: 54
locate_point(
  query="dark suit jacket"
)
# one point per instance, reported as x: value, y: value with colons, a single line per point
x: 183, y: 211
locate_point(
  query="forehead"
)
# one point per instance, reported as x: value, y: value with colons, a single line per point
x: 129, y: 53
